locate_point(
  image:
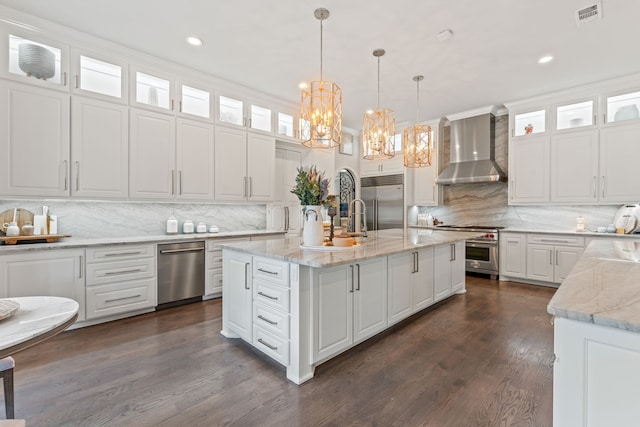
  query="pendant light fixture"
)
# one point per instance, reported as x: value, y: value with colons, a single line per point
x: 321, y: 106
x: 417, y: 140
x: 378, y: 127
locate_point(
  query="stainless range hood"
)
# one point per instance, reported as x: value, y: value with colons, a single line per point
x: 472, y: 152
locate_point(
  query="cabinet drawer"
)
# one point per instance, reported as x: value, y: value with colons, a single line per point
x: 107, y: 300
x: 214, y: 258
x: 271, y: 345
x: 101, y: 273
x: 550, y: 239
x: 214, y: 281
x: 120, y: 253
x: 271, y: 295
x: 274, y: 271
x: 213, y: 244
x: 269, y: 319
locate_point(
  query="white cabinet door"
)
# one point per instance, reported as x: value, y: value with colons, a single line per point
x: 400, y: 286
x: 574, y: 167
x: 194, y: 160
x: 423, y: 280
x: 261, y: 164
x: 619, y: 154
x: 57, y: 273
x: 513, y: 255
x: 566, y: 257
x: 540, y: 262
x: 422, y: 189
x: 99, y: 149
x: 237, y: 301
x: 458, y: 268
x: 332, y: 311
x: 529, y: 170
x: 230, y: 164
x: 34, y: 140
x: 287, y: 163
x: 369, y: 298
x: 443, y: 256
x: 152, y: 155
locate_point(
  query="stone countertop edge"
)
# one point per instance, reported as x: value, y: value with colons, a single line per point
x: 603, y: 287
x: 377, y: 244
x: 538, y: 231
x: 71, y: 242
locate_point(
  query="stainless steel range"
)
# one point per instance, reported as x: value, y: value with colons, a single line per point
x: 481, y: 252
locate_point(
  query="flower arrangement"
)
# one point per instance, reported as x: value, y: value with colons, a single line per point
x: 312, y: 188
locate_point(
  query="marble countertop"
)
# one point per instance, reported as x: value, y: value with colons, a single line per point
x: 603, y: 287
x: 377, y: 244
x: 550, y: 231
x: 72, y: 242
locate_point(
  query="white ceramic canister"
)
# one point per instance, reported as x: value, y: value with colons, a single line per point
x: 201, y: 227
x: 187, y: 227
x: 172, y: 226
x: 13, y: 229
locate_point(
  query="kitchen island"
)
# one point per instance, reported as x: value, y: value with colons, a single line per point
x: 304, y: 306
x: 597, y: 338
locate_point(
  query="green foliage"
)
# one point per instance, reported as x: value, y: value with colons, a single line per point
x: 311, y: 186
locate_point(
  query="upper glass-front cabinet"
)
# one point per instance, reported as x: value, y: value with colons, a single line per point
x: 529, y: 123
x: 41, y: 62
x: 96, y: 76
x: 260, y: 118
x: 574, y: 115
x: 196, y: 102
x: 622, y: 107
x: 232, y: 111
x: 152, y: 90
x: 285, y: 125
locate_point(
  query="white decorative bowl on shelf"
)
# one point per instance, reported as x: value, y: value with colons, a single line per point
x: 36, y: 61
x: 627, y: 112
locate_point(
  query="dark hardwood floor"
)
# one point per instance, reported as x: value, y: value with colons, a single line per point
x: 479, y: 359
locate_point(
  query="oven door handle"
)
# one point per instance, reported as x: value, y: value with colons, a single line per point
x: 480, y: 243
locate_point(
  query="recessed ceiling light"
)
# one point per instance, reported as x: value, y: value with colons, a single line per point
x: 194, y: 41
x: 545, y: 59
x: 444, y: 35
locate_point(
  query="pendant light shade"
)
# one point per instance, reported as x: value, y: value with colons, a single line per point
x: 378, y: 127
x: 418, y: 139
x: 321, y: 106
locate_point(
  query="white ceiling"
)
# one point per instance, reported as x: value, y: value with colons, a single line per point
x: 274, y: 45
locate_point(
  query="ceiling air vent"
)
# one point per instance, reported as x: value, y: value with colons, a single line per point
x: 589, y: 13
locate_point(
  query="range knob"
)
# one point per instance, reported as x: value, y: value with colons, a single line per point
x: 491, y: 236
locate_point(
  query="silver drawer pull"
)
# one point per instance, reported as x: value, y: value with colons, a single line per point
x: 555, y: 241
x: 113, y: 273
x: 272, y: 347
x: 271, y: 322
x: 268, y: 296
x: 268, y: 272
x: 174, y: 251
x: 123, y: 253
x: 122, y: 299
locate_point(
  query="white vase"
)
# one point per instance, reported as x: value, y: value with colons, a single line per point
x: 312, y: 231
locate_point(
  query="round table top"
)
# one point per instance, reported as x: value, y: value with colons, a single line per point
x: 37, y: 319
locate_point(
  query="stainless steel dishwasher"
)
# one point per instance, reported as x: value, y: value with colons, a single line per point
x: 180, y: 273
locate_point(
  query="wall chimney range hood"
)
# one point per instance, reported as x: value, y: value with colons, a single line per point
x: 472, y: 152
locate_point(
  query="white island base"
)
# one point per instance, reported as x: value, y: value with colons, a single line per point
x: 303, y: 315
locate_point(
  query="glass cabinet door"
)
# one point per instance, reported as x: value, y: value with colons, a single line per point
x: 231, y: 111
x: 152, y: 90
x: 529, y: 123
x: 260, y: 118
x: 285, y: 125
x: 99, y: 77
x: 196, y: 102
x: 623, y: 107
x: 574, y: 115
x: 35, y: 60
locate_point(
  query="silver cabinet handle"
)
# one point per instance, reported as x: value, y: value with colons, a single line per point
x: 271, y: 322
x: 77, y: 176
x: 512, y: 241
x: 358, y: 288
x: 64, y: 78
x: 115, y: 273
x: 595, y: 186
x: 180, y: 106
x: 180, y: 182
x: 417, y: 261
x: 244, y: 121
x: 244, y: 186
x: 551, y: 257
x: 351, y: 290
x: 173, y: 182
x: 268, y: 296
x: 262, y: 270
x: 603, y: 185
x: 173, y: 251
x: 555, y: 240
x: 80, y: 269
x: 246, y: 275
x: 77, y: 83
x: 66, y: 172
x: 124, y: 253
x: 286, y: 218
x: 453, y: 252
x: 556, y: 257
x: 272, y: 347
x: 172, y: 105
x: 250, y: 187
x: 123, y: 298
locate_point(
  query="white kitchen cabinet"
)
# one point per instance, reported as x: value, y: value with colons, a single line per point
x: 513, y: 255
x: 391, y: 166
x: 34, y: 129
x: 54, y: 78
x: 410, y: 283
x: 286, y: 171
x: 99, y: 77
x: 285, y: 217
x: 99, y: 149
x: 349, y: 305
x: 550, y: 258
x: 152, y: 89
x: 244, y: 165
x: 170, y: 164
x: 619, y: 152
x: 245, y: 114
x: 57, y: 273
x: 574, y: 167
x: 529, y: 169
x: 449, y: 270
x: 237, y: 301
x: 213, y: 264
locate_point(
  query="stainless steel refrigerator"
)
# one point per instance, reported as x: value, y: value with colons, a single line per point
x: 383, y: 197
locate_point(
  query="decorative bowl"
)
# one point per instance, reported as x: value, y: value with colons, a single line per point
x: 36, y: 61
x: 343, y: 242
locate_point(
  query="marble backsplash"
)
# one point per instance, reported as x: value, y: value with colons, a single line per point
x: 95, y: 219
x: 487, y: 203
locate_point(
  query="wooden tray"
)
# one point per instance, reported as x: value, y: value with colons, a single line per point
x: 49, y: 238
x: 22, y: 215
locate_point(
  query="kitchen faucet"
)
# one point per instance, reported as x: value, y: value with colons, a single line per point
x: 363, y: 212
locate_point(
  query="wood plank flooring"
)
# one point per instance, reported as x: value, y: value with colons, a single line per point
x: 479, y: 359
